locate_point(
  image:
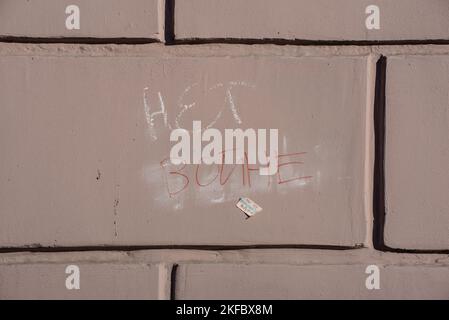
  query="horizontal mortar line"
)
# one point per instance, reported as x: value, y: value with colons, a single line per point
x: 215, y: 248
x: 173, y: 247
x: 198, y: 41
x: 384, y: 248
x: 78, y: 40
x: 303, y: 42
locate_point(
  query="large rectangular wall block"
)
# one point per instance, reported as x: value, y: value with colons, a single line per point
x: 417, y: 152
x: 96, y: 281
x: 84, y: 136
x: 98, y: 18
x: 311, y: 20
x: 315, y: 281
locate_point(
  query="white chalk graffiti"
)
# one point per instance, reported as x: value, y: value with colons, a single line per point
x: 153, y: 112
x: 151, y: 115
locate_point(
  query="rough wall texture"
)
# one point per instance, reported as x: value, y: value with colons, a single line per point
x: 362, y: 170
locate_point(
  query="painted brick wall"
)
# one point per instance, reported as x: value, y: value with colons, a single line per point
x: 361, y: 184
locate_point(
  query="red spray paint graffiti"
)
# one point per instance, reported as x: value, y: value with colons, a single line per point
x: 179, y: 172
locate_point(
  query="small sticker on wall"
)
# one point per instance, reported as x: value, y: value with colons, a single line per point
x: 248, y: 206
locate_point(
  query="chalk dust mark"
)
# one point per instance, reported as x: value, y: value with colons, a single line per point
x: 184, y: 107
x: 150, y: 116
x: 233, y: 107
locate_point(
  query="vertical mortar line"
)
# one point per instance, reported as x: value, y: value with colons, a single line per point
x: 379, y: 160
x: 169, y: 22
x: 173, y: 274
x: 369, y: 147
